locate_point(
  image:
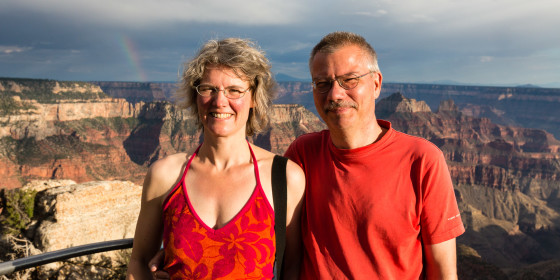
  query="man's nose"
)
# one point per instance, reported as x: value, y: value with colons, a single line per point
x: 336, y: 92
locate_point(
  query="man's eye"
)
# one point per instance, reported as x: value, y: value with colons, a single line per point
x: 350, y: 82
x: 322, y: 84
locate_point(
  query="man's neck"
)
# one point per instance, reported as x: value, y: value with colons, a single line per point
x: 357, y: 137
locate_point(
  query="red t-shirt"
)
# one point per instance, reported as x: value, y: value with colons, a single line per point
x: 368, y: 210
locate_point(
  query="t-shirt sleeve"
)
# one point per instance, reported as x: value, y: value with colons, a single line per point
x: 440, y: 217
x: 292, y: 153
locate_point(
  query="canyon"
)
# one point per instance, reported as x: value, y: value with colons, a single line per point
x: 506, y: 175
x: 530, y: 107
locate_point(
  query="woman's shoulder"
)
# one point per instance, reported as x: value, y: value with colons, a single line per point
x: 164, y: 174
x: 262, y: 155
x: 169, y: 163
x: 294, y: 174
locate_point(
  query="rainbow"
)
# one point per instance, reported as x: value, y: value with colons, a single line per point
x: 133, y: 58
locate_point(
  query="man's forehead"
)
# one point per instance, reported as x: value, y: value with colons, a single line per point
x: 343, y: 63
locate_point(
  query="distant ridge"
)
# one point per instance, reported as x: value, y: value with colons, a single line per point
x: 456, y: 83
x: 280, y: 77
x: 528, y: 86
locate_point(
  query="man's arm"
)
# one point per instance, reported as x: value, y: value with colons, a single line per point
x: 441, y: 260
x: 156, y: 266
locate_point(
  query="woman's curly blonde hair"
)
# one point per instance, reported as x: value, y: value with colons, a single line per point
x: 247, y: 61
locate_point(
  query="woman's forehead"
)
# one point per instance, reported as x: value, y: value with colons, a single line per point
x: 212, y: 71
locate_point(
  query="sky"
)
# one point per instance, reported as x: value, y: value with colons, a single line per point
x: 478, y: 42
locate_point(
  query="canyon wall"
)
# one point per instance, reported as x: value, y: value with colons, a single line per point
x: 512, y: 106
x: 138, y: 91
x: 517, y: 106
x: 507, y: 178
x: 101, y: 138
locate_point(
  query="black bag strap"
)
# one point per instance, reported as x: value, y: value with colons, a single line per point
x: 279, y: 197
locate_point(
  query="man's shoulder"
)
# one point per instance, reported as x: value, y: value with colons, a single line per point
x: 306, y: 144
x: 311, y: 138
x: 416, y: 143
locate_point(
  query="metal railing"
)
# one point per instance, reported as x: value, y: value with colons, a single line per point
x: 63, y: 254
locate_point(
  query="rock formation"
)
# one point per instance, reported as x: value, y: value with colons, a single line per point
x: 76, y: 214
x: 517, y: 106
x: 68, y: 214
x: 507, y: 178
x: 138, y: 91
x: 103, y: 138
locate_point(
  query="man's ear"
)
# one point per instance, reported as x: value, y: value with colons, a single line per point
x: 377, y: 81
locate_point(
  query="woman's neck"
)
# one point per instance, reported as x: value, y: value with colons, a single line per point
x: 224, y: 152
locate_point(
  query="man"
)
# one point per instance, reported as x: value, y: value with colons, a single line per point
x: 379, y: 203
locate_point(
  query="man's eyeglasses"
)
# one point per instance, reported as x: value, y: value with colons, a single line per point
x: 230, y: 92
x: 346, y: 82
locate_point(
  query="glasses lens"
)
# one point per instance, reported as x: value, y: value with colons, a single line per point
x: 323, y: 86
x: 349, y: 82
x: 235, y: 93
x: 204, y: 90
x: 232, y: 93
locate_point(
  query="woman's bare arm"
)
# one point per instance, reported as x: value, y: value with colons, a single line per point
x: 296, y: 189
x: 161, y: 177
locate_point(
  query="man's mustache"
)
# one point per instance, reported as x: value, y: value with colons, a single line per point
x: 333, y: 105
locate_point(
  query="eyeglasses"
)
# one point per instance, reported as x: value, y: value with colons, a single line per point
x: 230, y: 92
x: 346, y: 82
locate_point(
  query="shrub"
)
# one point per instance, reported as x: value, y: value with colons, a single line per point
x: 18, y: 210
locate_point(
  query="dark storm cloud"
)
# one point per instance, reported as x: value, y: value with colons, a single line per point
x: 490, y: 42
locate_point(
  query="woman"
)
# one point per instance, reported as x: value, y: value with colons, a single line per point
x: 213, y: 206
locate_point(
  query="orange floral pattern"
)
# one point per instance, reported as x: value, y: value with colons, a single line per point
x: 242, y: 249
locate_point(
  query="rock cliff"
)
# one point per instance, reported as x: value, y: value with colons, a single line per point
x: 67, y: 214
x: 108, y: 138
x: 520, y: 106
x: 49, y: 91
x: 517, y: 106
x: 507, y: 178
x: 137, y: 91
x: 39, y: 120
x: 75, y: 214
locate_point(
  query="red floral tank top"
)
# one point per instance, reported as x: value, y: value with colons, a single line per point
x: 242, y: 249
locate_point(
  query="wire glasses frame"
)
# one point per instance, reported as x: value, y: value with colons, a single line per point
x: 346, y: 82
x: 231, y: 93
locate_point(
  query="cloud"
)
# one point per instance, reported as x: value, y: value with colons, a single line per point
x: 377, y: 13
x: 141, y: 13
x: 13, y: 49
x: 468, y: 41
x: 381, y: 12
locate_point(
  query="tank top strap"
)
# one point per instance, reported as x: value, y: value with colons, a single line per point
x: 180, y: 183
x: 189, y: 163
x: 255, y: 164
